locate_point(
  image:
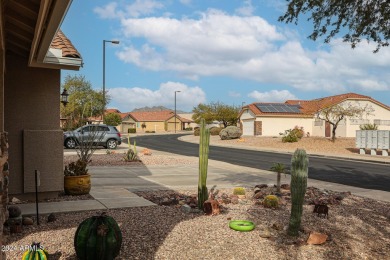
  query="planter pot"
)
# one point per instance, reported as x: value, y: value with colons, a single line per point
x: 77, y: 185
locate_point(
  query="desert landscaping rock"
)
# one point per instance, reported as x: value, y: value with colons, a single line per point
x: 357, y: 228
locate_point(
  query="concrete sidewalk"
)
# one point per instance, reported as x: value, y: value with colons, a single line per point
x: 113, y: 187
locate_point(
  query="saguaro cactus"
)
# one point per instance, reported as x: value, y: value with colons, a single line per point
x: 299, y: 173
x: 203, y: 163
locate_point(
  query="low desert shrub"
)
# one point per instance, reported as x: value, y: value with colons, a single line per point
x: 293, y: 135
x: 150, y: 132
x: 132, y: 130
x: 239, y: 191
x: 215, y: 130
x: 188, y: 129
x: 369, y: 127
x: 197, y: 131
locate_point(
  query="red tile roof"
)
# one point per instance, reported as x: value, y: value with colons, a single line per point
x: 60, y: 41
x: 309, y: 107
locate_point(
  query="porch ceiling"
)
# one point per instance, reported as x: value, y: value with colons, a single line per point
x: 20, y: 18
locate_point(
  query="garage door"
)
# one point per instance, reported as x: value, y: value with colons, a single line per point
x: 248, y: 127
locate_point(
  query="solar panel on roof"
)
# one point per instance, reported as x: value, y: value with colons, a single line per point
x: 278, y: 108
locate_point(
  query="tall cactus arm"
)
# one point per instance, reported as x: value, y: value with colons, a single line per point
x: 204, y: 142
x: 299, y: 174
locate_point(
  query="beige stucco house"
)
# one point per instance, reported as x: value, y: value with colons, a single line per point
x: 270, y: 119
x: 158, y: 121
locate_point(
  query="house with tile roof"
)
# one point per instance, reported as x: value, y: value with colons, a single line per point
x: 270, y: 119
x: 158, y: 121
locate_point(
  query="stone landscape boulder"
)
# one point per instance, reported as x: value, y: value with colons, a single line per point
x: 230, y: 132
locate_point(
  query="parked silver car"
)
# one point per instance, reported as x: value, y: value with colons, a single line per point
x: 101, y: 135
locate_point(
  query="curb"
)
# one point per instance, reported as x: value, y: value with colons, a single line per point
x: 290, y: 153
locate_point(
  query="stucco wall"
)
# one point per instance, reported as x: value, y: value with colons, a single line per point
x: 31, y: 103
x: 378, y: 113
x: 272, y: 126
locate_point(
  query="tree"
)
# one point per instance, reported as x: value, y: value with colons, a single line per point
x: 84, y: 101
x: 216, y: 111
x: 360, y: 19
x: 112, y: 119
x: 336, y: 113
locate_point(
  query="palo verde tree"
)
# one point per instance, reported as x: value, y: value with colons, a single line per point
x: 84, y: 101
x: 112, y: 119
x: 216, y: 111
x: 357, y: 19
x: 336, y: 113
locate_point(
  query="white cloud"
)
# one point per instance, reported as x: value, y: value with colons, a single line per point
x: 136, y: 9
x: 108, y: 11
x: 186, y: 2
x: 272, y: 96
x: 247, y: 47
x: 234, y: 94
x: 129, y: 98
x: 247, y: 9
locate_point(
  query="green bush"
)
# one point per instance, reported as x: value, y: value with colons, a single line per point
x: 292, y: 135
x: 188, y: 129
x: 132, y: 130
x: 150, y: 132
x: 215, y: 130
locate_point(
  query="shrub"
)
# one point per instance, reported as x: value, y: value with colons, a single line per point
x: 215, y: 130
x: 188, y: 129
x: 239, y: 191
x: 197, y: 131
x: 132, y: 130
x: 271, y: 201
x: 230, y: 132
x: 369, y: 127
x: 150, y: 132
x: 292, y: 135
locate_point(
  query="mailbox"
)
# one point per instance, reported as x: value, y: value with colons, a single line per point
x: 383, y: 139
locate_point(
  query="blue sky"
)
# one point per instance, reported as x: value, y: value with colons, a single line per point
x: 214, y: 50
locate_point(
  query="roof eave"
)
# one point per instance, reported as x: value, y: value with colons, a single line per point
x: 50, y: 17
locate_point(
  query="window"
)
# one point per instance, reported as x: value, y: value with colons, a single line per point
x: 103, y: 128
x: 381, y: 122
x: 137, y: 124
x: 359, y: 121
x: 318, y: 122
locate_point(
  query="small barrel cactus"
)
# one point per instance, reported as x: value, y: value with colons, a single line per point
x: 36, y: 252
x: 271, y: 201
x: 239, y: 191
x: 299, y: 174
x: 98, y: 238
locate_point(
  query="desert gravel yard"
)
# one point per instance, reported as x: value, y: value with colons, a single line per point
x: 357, y: 227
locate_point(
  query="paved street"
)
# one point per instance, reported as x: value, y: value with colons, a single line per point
x: 368, y: 175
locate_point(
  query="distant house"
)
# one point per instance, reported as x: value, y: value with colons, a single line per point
x: 270, y: 119
x: 158, y: 121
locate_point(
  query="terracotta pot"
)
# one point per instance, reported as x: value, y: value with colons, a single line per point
x: 77, y: 185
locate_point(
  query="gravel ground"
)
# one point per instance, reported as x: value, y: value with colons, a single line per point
x: 357, y: 228
x: 342, y: 146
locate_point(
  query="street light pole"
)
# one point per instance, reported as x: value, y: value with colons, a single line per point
x: 104, y: 75
x: 175, y: 108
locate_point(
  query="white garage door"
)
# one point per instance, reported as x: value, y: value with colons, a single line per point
x: 248, y: 127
